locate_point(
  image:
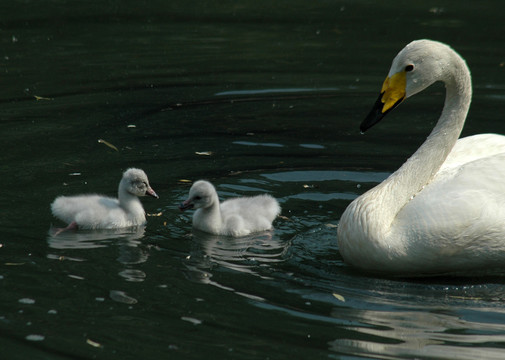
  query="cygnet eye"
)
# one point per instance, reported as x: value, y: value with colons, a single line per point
x: 139, y: 184
x: 409, y: 68
x: 197, y: 198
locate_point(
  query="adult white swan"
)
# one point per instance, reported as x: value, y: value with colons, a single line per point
x: 444, y: 209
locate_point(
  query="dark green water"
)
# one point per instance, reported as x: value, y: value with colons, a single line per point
x: 275, y: 91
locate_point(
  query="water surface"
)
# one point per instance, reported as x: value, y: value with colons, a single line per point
x: 256, y: 97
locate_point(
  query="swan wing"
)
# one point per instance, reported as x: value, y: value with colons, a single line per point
x: 460, y: 212
x: 474, y: 147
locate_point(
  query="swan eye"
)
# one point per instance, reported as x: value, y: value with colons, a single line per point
x: 409, y: 68
x: 197, y: 198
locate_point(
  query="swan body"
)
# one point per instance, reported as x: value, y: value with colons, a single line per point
x: 233, y: 217
x: 102, y: 212
x: 443, y: 210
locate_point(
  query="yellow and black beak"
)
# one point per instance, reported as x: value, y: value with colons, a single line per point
x: 392, y: 94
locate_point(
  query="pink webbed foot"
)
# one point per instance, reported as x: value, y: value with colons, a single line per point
x: 72, y: 226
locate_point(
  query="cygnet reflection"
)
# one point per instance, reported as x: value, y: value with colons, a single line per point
x: 248, y: 254
x: 127, y: 241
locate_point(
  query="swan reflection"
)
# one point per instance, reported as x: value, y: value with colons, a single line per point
x: 419, y: 334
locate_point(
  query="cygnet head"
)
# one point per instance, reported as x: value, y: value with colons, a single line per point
x: 135, y: 182
x: 201, y: 195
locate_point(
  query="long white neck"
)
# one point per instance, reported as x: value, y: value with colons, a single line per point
x: 374, y: 212
x: 422, y: 166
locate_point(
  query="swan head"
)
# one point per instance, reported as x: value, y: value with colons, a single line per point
x: 135, y: 182
x: 202, y: 195
x: 417, y: 66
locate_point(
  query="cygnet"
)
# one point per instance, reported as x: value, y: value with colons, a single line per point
x: 233, y: 217
x: 101, y: 212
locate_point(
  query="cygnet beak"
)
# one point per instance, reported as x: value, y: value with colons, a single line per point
x: 152, y: 193
x: 186, y: 205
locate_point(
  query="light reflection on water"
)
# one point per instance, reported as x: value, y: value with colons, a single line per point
x: 274, y: 91
x: 327, y: 175
x: 251, y: 143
